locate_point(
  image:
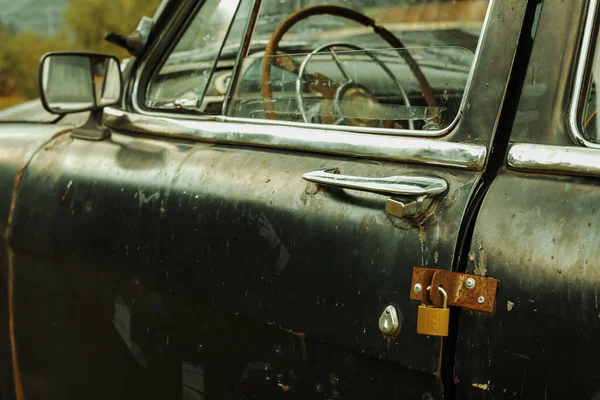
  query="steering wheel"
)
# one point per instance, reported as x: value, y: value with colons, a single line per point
x: 344, y: 108
x: 320, y: 82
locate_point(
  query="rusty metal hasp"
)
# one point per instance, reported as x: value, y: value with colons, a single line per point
x: 468, y: 291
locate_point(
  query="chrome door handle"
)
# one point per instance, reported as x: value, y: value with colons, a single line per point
x: 410, y: 194
x: 402, y: 185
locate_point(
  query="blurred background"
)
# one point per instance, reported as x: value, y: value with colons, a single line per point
x: 30, y: 28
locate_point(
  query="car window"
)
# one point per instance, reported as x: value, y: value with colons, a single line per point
x: 328, y: 68
x: 589, y: 119
x: 201, y: 55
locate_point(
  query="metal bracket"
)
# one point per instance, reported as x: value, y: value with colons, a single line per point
x: 407, y: 207
x: 92, y: 129
x: 468, y: 291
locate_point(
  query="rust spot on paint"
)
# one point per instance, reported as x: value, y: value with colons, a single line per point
x: 11, y: 288
x: 60, y: 133
x: 482, y: 386
x: 298, y: 334
x: 11, y: 326
x: 285, y: 388
x: 13, y: 201
x: 52, y: 144
x: 19, y: 394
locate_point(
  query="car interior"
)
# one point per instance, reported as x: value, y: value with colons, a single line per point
x: 366, y: 64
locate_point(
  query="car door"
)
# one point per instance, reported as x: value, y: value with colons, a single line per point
x: 537, y: 230
x: 187, y: 256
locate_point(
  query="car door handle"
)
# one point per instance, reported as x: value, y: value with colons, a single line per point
x: 410, y: 194
x: 401, y: 185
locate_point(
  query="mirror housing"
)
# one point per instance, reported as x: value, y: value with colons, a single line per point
x: 72, y: 82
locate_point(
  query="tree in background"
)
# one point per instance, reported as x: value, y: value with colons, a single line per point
x: 87, y: 23
x: 7, y: 82
x: 21, y: 56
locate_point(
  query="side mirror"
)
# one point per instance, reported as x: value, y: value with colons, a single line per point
x: 76, y: 82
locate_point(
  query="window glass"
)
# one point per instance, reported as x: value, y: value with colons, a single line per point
x: 330, y: 69
x: 591, y: 106
x: 327, y: 68
x: 200, y: 57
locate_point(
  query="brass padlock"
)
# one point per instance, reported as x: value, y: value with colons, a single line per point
x: 434, y: 321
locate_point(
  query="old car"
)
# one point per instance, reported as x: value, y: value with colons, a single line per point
x: 311, y: 200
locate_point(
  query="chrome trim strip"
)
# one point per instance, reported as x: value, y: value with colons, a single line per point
x: 322, y: 127
x: 547, y: 158
x: 394, y: 132
x: 577, y: 96
x: 392, y: 148
x: 160, y: 9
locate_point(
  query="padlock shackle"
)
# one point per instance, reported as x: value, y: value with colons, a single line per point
x: 445, y: 295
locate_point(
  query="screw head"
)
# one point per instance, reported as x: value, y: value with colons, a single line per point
x: 470, y: 283
x: 418, y: 288
x: 480, y: 299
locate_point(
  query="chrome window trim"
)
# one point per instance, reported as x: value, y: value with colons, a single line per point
x: 160, y: 9
x: 582, y: 64
x: 380, y: 131
x: 552, y: 158
x: 391, y: 148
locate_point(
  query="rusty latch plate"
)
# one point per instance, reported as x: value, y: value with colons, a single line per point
x: 455, y: 285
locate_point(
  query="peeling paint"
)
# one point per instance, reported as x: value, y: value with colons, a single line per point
x: 283, y: 387
x: 471, y: 256
x: 266, y: 230
x: 282, y: 260
x: 509, y: 305
x: 517, y: 355
x: 143, y: 199
x: 310, y: 190
x: 400, y: 223
x: 482, y: 386
x: 122, y: 323
x: 422, y: 243
x: 64, y: 196
x: 298, y: 334
x: 480, y: 267
x: 192, y: 377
